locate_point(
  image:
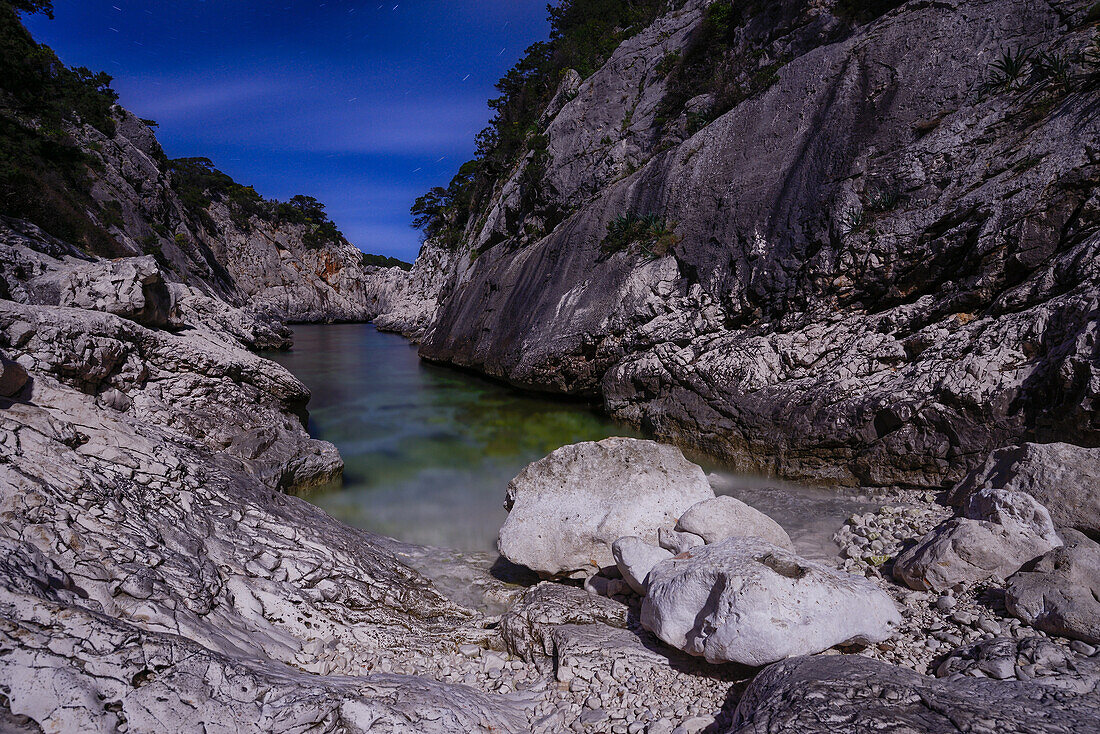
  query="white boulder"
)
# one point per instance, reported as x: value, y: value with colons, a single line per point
x: 565, y: 510
x: 635, y: 559
x: 746, y: 601
x: 727, y: 517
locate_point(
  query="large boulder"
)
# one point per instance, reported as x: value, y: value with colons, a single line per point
x: 746, y: 601
x: 1016, y: 511
x: 727, y: 517
x: 133, y: 288
x: 565, y: 510
x: 527, y: 626
x: 851, y: 694
x: 966, y: 551
x: 1060, y: 593
x: 1063, y: 477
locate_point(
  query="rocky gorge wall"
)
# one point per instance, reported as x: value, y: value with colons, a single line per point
x: 232, y: 249
x: 882, y: 269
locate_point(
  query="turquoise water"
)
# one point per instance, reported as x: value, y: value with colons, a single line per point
x: 429, y: 450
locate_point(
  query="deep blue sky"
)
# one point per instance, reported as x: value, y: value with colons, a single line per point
x: 361, y: 104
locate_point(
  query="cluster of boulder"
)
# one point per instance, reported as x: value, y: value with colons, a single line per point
x: 718, y: 578
x: 1004, y: 532
x: 719, y: 581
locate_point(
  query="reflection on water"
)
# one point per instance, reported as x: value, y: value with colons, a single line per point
x: 429, y: 451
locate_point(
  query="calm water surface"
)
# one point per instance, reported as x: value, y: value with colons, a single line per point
x: 429, y: 451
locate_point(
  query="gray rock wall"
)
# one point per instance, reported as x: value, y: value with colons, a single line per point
x: 243, y: 260
x: 883, y: 273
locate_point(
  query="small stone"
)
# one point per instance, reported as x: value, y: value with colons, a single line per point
x: 660, y: 726
x: 595, y: 716
x: 963, y: 618
x: 999, y: 668
x: 694, y: 725
x: 470, y: 651
x: 1082, y: 648
x: 945, y: 603
x: 989, y: 626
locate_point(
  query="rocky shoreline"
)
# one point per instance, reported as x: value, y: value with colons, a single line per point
x: 159, y: 576
x: 158, y: 572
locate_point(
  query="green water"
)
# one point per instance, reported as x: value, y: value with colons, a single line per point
x: 429, y: 451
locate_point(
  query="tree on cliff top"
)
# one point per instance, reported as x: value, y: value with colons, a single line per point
x: 583, y: 35
x: 32, y: 6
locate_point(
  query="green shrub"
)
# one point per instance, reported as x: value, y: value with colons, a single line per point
x: 652, y: 233
x: 667, y: 64
x: 44, y: 175
x: 864, y: 11
x: 583, y: 35
x: 112, y: 214
x: 198, y: 182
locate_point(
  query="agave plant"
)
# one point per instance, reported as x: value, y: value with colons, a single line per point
x: 1090, y: 62
x: 1007, y: 72
x: 851, y: 219
x: 1053, y: 69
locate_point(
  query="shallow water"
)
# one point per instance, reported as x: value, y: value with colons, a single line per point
x: 429, y: 450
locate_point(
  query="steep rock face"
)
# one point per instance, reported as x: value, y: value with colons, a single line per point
x: 220, y: 248
x: 407, y: 302
x: 882, y: 274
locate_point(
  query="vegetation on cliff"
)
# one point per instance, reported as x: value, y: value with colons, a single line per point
x: 44, y: 174
x: 583, y: 35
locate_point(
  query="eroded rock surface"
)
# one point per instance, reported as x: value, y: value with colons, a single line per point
x: 1061, y: 476
x: 852, y: 695
x: 884, y: 272
x: 1060, y: 592
x: 150, y: 561
x: 964, y: 551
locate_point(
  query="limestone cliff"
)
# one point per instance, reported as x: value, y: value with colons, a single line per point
x: 90, y: 173
x: 877, y: 265
x: 216, y: 235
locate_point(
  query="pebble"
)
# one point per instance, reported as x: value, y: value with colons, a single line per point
x: 1082, y: 648
x: 470, y: 651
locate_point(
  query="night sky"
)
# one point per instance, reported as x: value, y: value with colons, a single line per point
x: 364, y: 106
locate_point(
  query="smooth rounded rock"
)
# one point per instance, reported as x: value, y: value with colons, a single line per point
x: 635, y: 559
x: 747, y: 601
x: 1060, y: 593
x: 726, y: 517
x: 966, y: 551
x: 1061, y: 476
x: 565, y: 510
